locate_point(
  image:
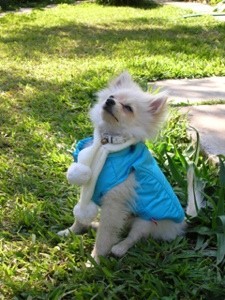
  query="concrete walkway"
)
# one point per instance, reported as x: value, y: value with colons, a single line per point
x: 198, y: 8
x: 208, y: 120
x: 192, y: 90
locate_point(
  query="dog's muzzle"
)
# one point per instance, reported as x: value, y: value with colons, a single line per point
x: 109, y: 103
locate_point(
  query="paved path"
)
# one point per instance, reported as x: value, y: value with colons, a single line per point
x: 192, y: 90
x: 198, y: 8
x: 209, y: 120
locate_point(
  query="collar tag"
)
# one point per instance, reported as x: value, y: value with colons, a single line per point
x: 104, y: 141
x: 109, y: 139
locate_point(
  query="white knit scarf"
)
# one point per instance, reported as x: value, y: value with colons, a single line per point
x: 94, y: 157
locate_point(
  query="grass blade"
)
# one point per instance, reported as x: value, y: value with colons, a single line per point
x: 174, y: 171
x: 182, y: 158
x: 220, y: 206
x: 221, y: 222
x: 197, y: 150
x: 222, y: 171
x: 220, y: 247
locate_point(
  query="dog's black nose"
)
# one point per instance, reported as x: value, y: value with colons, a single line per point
x: 110, y: 102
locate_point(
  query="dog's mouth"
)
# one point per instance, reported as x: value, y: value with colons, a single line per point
x: 109, y: 109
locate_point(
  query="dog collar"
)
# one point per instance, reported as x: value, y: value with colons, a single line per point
x: 109, y: 139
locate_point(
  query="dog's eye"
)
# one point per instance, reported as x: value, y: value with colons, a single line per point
x: 128, y: 108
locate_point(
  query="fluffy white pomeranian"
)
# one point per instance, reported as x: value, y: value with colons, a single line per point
x: 119, y: 175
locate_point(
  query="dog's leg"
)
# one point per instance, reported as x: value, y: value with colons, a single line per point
x: 76, y: 228
x: 114, y: 215
x: 140, y: 229
x: 166, y: 230
x: 108, y: 233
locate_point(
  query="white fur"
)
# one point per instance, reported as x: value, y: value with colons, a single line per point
x: 78, y: 174
x: 87, y: 215
x: 147, y: 115
x: 149, y: 111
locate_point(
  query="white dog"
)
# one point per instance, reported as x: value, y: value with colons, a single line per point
x: 118, y: 173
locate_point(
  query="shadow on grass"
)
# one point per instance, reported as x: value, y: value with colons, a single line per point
x: 12, y: 5
x: 143, y: 4
x: 139, y: 35
x: 37, y: 131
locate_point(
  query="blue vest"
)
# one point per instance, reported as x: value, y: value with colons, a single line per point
x: 155, y: 198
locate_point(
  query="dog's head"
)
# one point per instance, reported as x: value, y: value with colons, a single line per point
x: 124, y: 108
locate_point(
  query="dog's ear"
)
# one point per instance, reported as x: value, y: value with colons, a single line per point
x: 122, y: 81
x: 158, y: 103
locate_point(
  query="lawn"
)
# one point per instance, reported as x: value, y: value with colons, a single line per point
x: 51, y: 64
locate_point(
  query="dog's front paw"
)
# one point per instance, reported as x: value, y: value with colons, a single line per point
x: 64, y: 233
x: 76, y: 228
x: 88, y: 264
x: 78, y: 174
x: 95, y: 256
x: 119, y: 250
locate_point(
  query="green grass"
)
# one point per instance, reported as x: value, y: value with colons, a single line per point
x: 51, y: 64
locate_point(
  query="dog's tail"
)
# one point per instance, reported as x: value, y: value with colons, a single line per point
x: 195, y: 197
